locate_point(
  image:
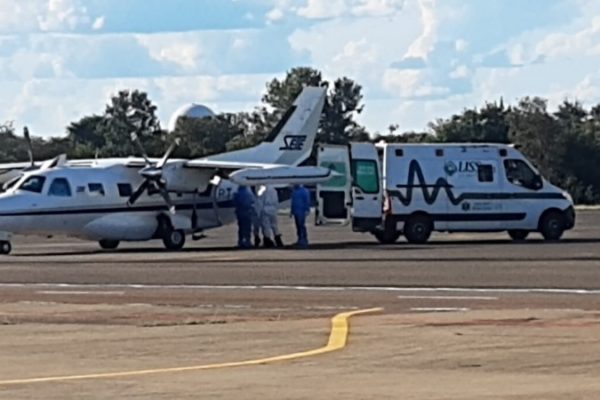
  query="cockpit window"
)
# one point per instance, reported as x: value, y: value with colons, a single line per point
x: 60, y: 187
x: 33, y: 184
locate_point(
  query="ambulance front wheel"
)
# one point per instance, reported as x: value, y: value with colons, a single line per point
x: 418, y: 228
x: 5, y: 247
x: 552, y: 225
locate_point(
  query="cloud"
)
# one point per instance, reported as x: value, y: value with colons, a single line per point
x: 416, y: 59
x: 44, y: 107
x: 325, y: 9
x: 98, y: 23
x: 44, y: 15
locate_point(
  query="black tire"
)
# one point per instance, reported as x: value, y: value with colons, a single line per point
x: 174, y: 239
x: 109, y: 244
x: 5, y: 247
x: 518, y: 235
x: 386, y: 237
x: 552, y: 225
x: 389, y: 234
x: 417, y: 229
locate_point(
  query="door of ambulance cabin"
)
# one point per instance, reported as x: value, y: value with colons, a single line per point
x: 354, y: 195
x: 367, y: 193
x: 334, y: 197
x: 472, y: 174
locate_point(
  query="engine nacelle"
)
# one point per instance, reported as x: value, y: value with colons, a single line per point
x: 182, y: 179
x: 122, y: 227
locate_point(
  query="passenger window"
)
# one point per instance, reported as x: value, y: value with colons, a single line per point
x: 485, y: 173
x: 520, y: 174
x: 33, y: 184
x: 96, y: 189
x: 125, y: 189
x: 365, y: 175
x: 60, y: 187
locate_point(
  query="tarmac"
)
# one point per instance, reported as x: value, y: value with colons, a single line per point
x: 466, y: 316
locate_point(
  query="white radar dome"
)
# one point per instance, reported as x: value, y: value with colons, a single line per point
x: 190, y: 111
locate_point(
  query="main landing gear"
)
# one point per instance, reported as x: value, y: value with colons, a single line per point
x: 173, y: 239
x: 5, y: 247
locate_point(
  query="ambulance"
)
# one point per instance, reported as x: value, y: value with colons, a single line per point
x: 390, y: 190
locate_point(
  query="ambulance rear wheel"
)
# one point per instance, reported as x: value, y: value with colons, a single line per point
x: 417, y: 229
x: 518, y: 235
x: 174, y: 239
x: 5, y: 247
x: 109, y: 244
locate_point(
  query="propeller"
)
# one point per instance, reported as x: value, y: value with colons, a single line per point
x: 153, y: 175
x: 29, y: 146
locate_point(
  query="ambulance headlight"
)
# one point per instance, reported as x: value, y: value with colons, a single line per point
x: 568, y: 197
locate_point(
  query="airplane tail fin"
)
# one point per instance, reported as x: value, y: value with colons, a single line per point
x: 292, y: 139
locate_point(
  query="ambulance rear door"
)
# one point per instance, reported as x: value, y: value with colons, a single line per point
x: 367, y: 193
x: 334, y: 197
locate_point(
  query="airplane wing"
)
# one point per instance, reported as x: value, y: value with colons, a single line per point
x: 10, y: 171
x: 250, y: 174
x: 285, y: 174
x: 13, y: 166
x: 226, y: 165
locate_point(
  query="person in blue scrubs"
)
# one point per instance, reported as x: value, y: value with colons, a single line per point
x: 244, y: 208
x: 300, y: 210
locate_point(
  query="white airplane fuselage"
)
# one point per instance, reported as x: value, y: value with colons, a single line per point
x: 113, y: 200
x: 93, y: 205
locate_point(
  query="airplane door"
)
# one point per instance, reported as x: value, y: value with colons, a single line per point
x: 334, y: 197
x: 367, y: 194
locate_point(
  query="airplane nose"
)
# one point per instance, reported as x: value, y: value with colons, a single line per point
x: 6, y: 221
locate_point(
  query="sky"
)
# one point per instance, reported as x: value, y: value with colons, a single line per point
x: 417, y: 60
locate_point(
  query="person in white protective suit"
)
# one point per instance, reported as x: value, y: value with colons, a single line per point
x: 256, y: 212
x: 268, y: 204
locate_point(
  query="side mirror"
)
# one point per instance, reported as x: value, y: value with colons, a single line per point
x: 537, y: 182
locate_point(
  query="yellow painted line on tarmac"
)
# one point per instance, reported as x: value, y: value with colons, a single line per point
x: 338, y: 339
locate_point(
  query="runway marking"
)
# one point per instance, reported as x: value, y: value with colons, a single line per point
x: 449, y: 297
x: 82, y: 292
x: 401, y: 289
x: 439, y: 309
x: 338, y: 338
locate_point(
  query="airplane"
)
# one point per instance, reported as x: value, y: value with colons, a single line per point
x: 139, y: 199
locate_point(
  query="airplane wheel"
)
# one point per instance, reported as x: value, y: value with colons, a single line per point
x: 174, y: 239
x: 5, y: 247
x: 109, y: 244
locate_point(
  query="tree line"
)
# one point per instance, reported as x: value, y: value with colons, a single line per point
x: 563, y: 144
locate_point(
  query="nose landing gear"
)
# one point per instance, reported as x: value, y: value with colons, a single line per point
x: 5, y: 247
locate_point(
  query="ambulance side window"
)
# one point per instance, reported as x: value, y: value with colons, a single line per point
x: 520, y: 174
x: 60, y: 187
x: 365, y: 175
x: 485, y: 173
